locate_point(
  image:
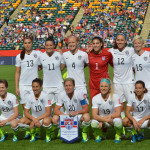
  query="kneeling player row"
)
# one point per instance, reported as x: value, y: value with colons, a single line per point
x: 106, y: 110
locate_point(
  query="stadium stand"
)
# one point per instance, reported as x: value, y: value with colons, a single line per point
x: 6, y: 9
x: 107, y: 18
x: 39, y: 19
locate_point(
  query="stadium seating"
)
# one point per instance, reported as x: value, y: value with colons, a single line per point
x: 38, y: 19
x: 108, y: 18
x: 7, y: 8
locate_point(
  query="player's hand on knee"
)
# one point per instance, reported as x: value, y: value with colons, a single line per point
x: 72, y: 113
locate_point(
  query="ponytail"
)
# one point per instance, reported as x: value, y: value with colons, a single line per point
x: 22, y: 55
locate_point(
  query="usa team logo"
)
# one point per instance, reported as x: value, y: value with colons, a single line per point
x: 127, y: 53
x: 35, y: 55
x: 110, y: 103
x: 68, y: 124
x: 42, y: 101
x: 145, y: 102
x: 103, y: 58
x: 79, y: 57
x: 57, y: 58
x: 145, y: 58
x: 9, y: 102
x: 75, y: 100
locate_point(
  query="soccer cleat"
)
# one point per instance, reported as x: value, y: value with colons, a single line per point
x: 48, y: 139
x: 33, y: 138
x: 117, y: 139
x: 58, y: 135
x: 28, y: 135
x: 140, y: 137
x: 4, y: 137
x: 37, y: 136
x: 133, y: 138
x: 84, y: 137
x: 15, y: 138
x: 98, y: 139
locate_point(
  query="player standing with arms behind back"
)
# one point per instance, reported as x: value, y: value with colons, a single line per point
x: 141, y: 62
x: 98, y: 65
x: 123, y: 74
x: 26, y: 70
x: 75, y: 60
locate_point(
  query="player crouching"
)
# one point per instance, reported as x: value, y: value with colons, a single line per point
x: 75, y: 103
x: 139, y: 103
x: 106, y: 111
x: 9, y: 110
x: 40, y: 106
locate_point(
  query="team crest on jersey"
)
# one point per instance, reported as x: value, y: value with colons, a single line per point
x: 110, y: 103
x: 9, y: 103
x: 103, y: 58
x: 35, y: 55
x: 145, y: 102
x: 127, y: 53
x: 79, y: 57
x: 57, y: 58
x: 75, y: 100
x: 145, y: 58
x: 42, y: 101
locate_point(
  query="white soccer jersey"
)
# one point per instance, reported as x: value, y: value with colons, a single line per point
x: 105, y: 107
x: 75, y: 66
x: 29, y: 67
x: 7, y: 106
x: 141, y: 65
x: 51, y: 69
x: 74, y: 104
x: 122, y: 61
x: 141, y: 107
x: 37, y: 106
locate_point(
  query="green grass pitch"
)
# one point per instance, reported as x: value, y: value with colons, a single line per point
x: 8, y: 73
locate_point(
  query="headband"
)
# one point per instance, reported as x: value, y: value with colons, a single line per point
x: 105, y: 80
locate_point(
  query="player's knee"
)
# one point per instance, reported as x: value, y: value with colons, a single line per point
x: 14, y: 123
x: 117, y: 122
x: 94, y: 124
x: 47, y: 121
x: 86, y: 117
x: 55, y: 119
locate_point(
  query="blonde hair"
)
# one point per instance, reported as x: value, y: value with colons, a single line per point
x: 111, y: 91
x: 138, y: 37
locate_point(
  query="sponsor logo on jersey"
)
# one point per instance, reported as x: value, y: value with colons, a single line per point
x: 145, y: 58
x: 57, y: 58
x: 79, y: 57
x: 44, y: 59
x: 68, y: 124
x: 103, y: 58
x: 67, y: 57
x: 9, y: 103
x: 127, y: 53
x: 35, y: 55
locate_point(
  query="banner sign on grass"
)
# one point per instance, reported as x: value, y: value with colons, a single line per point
x: 69, y: 131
